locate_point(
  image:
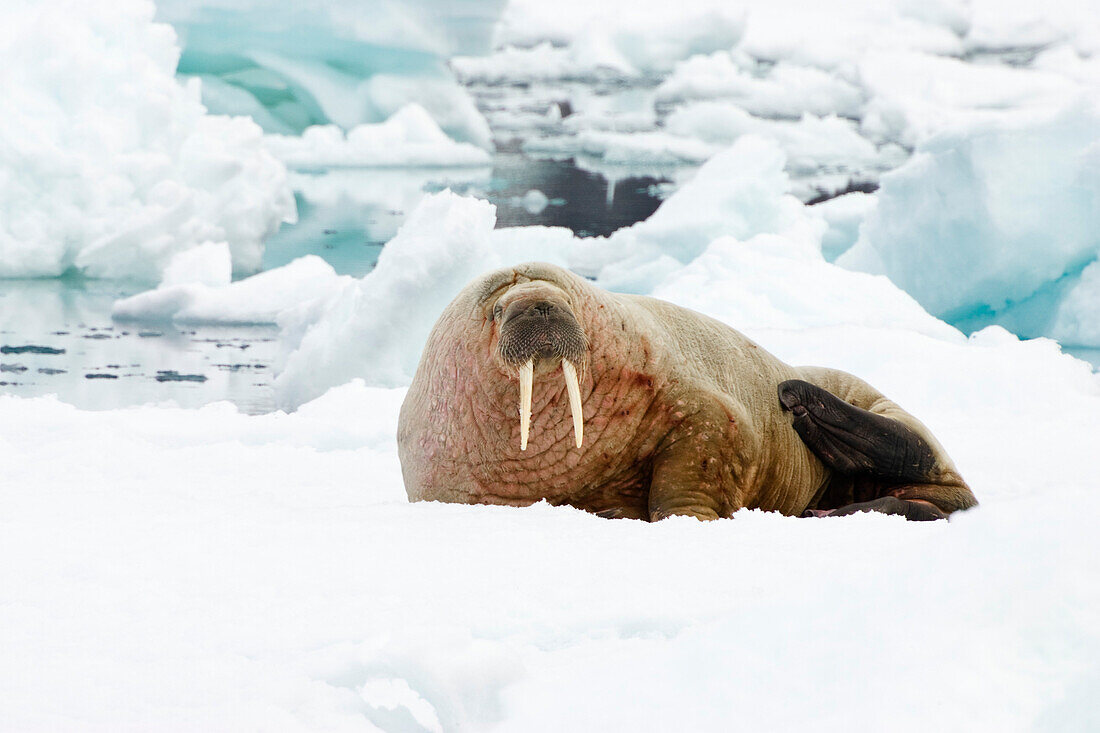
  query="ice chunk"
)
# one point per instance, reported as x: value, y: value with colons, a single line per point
x: 534, y: 201
x: 834, y: 35
x: 542, y: 62
x: 740, y: 192
x: 823, y: 153
x: 207, y: 264
x: 409, y: 138
x: 844, y: 215
x: 1076, y: 318
x: 615, y: 35
x: 448, y: 104
x: 765, y: 283
x: 347, y: 214
x: 260, y: 299
x: 342, y: 62
x: 1013, y: 25
x: 633, y: 149
x: 988, y: 214
x: 109, y: 165
x: 376, y: 328
x: 786, y: 90
x: 914, y: 95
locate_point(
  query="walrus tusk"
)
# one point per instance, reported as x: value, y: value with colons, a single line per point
x: 526, y: 382
x: 574, y: 388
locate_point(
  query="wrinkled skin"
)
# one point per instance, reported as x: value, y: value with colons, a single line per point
x: 682, y: 415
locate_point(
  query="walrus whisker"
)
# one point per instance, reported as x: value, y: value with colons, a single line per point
x: 573, y: 386
x: 526, y: 383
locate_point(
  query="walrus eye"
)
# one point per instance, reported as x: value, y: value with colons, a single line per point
x: 497, y: 311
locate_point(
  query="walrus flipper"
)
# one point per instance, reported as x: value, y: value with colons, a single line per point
x: 914, y: 511
x: 851, y: 440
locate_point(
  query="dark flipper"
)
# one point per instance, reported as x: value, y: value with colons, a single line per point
x: 851, y: 440
x: 914, y: 511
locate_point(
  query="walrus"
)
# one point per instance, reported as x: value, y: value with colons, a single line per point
x: 537, y: 385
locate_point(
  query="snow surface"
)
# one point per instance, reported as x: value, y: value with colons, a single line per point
x: 108, y: 165
x: 177, y: 569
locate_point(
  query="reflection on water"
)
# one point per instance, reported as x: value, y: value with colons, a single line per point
x: 588, y: 203
x: 89, y: 361
x: 345, y: 217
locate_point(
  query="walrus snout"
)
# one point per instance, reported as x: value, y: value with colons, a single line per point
x: 541, y: 327
x: 539, y: 308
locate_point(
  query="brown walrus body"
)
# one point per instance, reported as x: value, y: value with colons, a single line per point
x: 681, y: 414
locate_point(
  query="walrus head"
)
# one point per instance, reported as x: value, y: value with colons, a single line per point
x: 537, y: 329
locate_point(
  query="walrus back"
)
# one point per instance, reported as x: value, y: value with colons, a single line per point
x: 716, y: 359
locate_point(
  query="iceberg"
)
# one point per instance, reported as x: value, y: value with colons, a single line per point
x: 296, y: 65
x: 108, y: 165
x: 992, y: 221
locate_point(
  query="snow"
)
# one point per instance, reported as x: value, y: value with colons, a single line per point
x: 408, y: 138
x: 215, y: 571
x: 109, y: 166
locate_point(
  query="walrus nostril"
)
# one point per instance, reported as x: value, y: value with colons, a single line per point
x: 542, y: 308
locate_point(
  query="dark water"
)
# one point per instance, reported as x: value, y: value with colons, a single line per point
x: 347, y: 215
x: 580, y: 200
